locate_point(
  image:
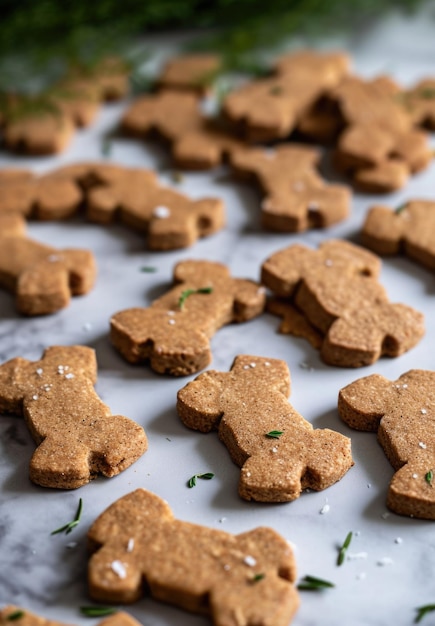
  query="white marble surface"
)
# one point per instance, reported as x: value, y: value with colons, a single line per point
x: 40, y: 572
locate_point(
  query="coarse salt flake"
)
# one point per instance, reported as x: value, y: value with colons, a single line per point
x: 385, y: 561
x: 385, y: 515
x: 398, y: 540
x: 130, y: 545
x: 274, y: 449
x: 249, y: 560
x: 69, y: 376
x: 325, y: 509
x: 161, y: 212
x: 252, y: 364
x: 119, y: 569
x: 39, y: 371
x: 423, y: 411
x: 415, y: 475
x: 171, y: 322
x: 35, y: 397
x: 422, y: 445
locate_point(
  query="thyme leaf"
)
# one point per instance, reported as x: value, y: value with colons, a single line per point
x: 429, y: 477
x: 97, y: 611
x: 190, y: 292
x: 192, y: 481
x: 312, y: 583
x: 67, y: 528
x: 422, y: 610
x: 343, y: 549
x: 18, y: 614
x: 274, y: 434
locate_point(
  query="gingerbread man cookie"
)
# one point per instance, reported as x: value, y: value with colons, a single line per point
x: 43, y: 278
x: 296, y: 196
x: 190, y: 72
x: 77, y: 437
x: 402, y: 414
x: 278, y: 450
x: 410, y: 229
x: 235, y: 579
x: 337, y: 291
x: 174, y: 332
x: 39, y: 134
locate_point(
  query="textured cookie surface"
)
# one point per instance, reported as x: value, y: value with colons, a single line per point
x: 402, y: 412
x: 245, y: 406
x: 296, y: 196
x: 22, y: 617
x: 76, y: 434
x: 337, y: 291
x: 42, y: 278
x: 235, y: 579
x: 39, y: 134
x: 190, y: 72
x: 174, y: 332
x: 410, y: 229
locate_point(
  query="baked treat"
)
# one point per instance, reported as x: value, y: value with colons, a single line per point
x: 419, y: 102
x: 137, y: 544
x: 379, y: 146
x: 40, y: 197
x: 76, y: 435
x: 42, y: 278
x: 38, y: 133
x: 268, y: 109
x: 410, y: 230
x: 401, y: 412
x: 22, y: 617
x: 279, y: 452
x: 336, y: 288
x: 198, y: 142
x: 296, y: 196
x: 174, y: 332
x: 190, y: 72
x: 170, y: 219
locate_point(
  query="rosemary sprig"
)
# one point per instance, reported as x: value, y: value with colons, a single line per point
x: 71, y: 525
x: 148, y: 269
x: 343, y: 549
x: 274, y: 434
x: 190, y: 292
x: 12, y: 617
x: 312, y: 583
x: 97, y: 611
x: 429, y: 477
x: 422, y: 610
x: 192, y: 481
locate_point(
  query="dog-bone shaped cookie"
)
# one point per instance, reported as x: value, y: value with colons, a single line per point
x: 174, y: 332
x: 77, y: 437
x: 245, y: 405
x: 402, y: 413
x: 23, y: 617
x: 235, y: 579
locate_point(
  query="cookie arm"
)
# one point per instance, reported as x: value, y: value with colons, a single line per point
x: 198, y: 403
x: 363, y: 403
x: 383, y: 231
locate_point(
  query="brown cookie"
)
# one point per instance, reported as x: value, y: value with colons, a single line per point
x: 22, y: 617
x: 410, y: 230
x: 43, y: 278
x: 337, y: 290
x: 109, y: 75
x: 137, y: 544
x: 270, y: 109
x: 174, y: 332
x: 77, y: 437
x: 419, y: 103
x: 43, y: 197
x: 402, y: 414
x: 198, y: 142
x: 279, y: 452
x: 78, y: 99
x: 191, y: 72
x: 39, y: 133
x: 296, y: 196
x: 378, y: 146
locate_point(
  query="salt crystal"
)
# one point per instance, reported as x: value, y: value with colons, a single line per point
x: 385, y: 561
x: 422, y: 445
x: 130, y: 545
x: 161, y: 212
x: 325, y: 509
x: 249, y: 560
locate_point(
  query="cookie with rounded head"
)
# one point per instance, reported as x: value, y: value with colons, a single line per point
x: 279, y: 452
x: 336, y: 289
x: 409, y: 230
x: 296, y: 196
x: 419, y: 102
x: 402, y: 414
x: 197, y: 142
x: 40, y: 197
x: 23, y: 617
x: 77, y: 436
x: 190, y: 72
x: 42, y: 278
x: 174, y: 333
x: 39, y: 134
x: 270, y: 108
x: 137, y: 544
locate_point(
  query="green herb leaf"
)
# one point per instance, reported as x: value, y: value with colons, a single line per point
x: 311, y: 583
x: 343, y: 549
x: 18, y: 614
x: 190, y: 292
x: 148, y: 269
x: 106, y: 148
x: 400, y: 208
x: 429, y: 477
x: 71, y: 525
x: 422, y: 610
x: 257, y: 577
x: 192, y: 481
x: 177, y: 177
x: 427, y: 93
x: 274, y: 434
x: 276, y: 90
x: 97, y: 611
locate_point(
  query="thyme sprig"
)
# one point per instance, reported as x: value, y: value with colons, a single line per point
x: 190, y: 292
x: 192, y: 481
x: 18, y: 614
x: 97, y: 611
x: 274, y: 434
x: 342, y: 551
x: 422, y: 611
x: 312, y: 583
x: 67, y: 528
